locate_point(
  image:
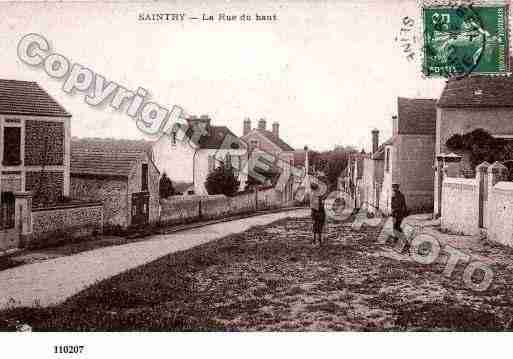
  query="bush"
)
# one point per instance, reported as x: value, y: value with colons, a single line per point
x: 222, y: 180
x: 166, y: 188
x: 480, y: 144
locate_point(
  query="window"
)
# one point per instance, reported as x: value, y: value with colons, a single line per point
x: 144, y: 177
x: 12, y: 146
x: 387, y: 160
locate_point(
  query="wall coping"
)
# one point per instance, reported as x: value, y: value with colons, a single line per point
x: 503, y: 185
x: 460, y: 180
x: 67, y: 206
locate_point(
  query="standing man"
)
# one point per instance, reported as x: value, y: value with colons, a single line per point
x: 318, y: 213
x: 399, y: 210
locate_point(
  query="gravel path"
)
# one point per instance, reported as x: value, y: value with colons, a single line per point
x: 53, y: 281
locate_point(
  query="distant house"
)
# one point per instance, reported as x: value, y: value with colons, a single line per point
x: 373, y: 172
x: 270, y: 142
x: 121, y: 174
x: 190, y: 152
x: 350, y: 179
x: 474, y: 102
x: 409, y: 155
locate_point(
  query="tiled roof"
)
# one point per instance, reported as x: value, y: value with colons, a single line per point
x: 416, y: 116
x: 104, y: 157
x: 27, y: 98
x: 112, y: 144
x: 284, y: 146
x: 215, y: 138
x: 478, y: 91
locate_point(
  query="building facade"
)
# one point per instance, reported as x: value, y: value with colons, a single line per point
x: 188, y: 153
x: 269, y: 142
x: 35, y: 137
x: 475, y: 102
x: 409, y: 155
x: 124, y: 179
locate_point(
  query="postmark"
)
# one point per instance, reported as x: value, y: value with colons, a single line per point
x: 465, y: 39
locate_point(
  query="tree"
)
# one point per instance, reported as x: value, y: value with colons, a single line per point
x: 166, y: 188
x: 222, y: 180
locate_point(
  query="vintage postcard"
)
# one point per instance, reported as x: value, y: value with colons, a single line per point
x: 253, y: 166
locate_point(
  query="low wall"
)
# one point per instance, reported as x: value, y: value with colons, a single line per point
x: 186, y: 209
x: 51, y: 224
x: 500, y: 213
x: 460, y: 201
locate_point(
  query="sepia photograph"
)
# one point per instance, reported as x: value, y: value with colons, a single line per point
x: 254, y: 166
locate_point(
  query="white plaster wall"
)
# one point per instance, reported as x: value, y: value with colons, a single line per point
x: 174, y: 160
x: 500, y: 213
x: 460, y: 211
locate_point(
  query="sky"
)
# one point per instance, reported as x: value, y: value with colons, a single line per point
x: 329, y: 72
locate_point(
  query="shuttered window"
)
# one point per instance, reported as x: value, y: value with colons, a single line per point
x: 144, y: 177
x: 12, y: 146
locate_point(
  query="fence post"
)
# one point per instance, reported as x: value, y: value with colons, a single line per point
x: 23, y: 216
x: 199, y: 209
x: 482, y: 182
x: 496, y: 173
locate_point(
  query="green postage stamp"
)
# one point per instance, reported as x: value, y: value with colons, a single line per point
x: 465, y: 39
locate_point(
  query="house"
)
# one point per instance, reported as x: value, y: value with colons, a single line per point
x: 120, y: 174
x: 409, y: 155
x: 188, y: 153
x: 474, y: 102
x: 35, y: 171
x: 270, y: 142
x: 373, y: 171
x: 34, y: 157
x: 35, y: 133
x: 350, y: 178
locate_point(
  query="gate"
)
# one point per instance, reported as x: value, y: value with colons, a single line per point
x: 9, y: 230
x: 140, y: 208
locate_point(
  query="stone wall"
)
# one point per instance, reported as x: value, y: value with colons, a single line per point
x: 112, y: 192
x: 65, y: 222
x: 186, y: 209
x: 44, y: 143
x: 460, y: 205
x: 47, y: 186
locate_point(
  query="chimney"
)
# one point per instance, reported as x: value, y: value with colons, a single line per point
x: 276, y: 129
x: 261, y: 124
x: 247, y: 126
x: 194, y: 121
x: 395, y: 125
x: 375, y: 140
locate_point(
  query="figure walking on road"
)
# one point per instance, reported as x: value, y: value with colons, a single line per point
x: 318, y: 213
x: 399, y: 211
